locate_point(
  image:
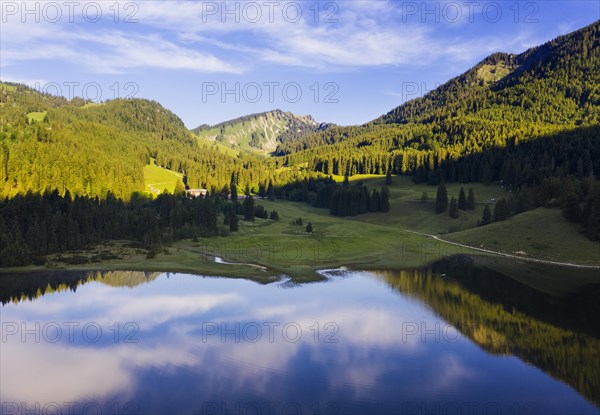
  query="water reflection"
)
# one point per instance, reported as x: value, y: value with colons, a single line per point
x: 403, y: 342
x: 560, y: 335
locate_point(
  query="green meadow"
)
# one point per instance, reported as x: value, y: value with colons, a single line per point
x: 375, y: 241
x: 157, y: 179
x: 379, y: 240
x: 36, y: 116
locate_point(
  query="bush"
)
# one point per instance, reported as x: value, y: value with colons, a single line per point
x: 261, y: 212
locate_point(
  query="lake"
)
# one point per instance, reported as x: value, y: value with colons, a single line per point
x: 456, y: 337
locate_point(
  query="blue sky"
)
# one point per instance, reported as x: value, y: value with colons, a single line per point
x: 345, y: 62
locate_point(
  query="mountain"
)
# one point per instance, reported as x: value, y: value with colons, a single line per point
x: 559, y: 78
x: 504, y: 100
x: 261, y: 132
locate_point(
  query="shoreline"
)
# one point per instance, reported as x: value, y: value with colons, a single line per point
x: 211, y: 264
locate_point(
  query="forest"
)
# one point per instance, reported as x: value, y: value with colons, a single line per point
x: 72, y: 171
x: 35, y: 225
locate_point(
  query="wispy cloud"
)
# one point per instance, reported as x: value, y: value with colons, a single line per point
x: 182, y: 35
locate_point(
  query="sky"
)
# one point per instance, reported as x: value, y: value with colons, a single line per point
x: 345, y: 62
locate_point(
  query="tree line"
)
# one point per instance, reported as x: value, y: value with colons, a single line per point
x: 341, y: 199
x: 35, y: 225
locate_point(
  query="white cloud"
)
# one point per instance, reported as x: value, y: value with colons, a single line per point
x: 104, y: 50
x: 182, y: 35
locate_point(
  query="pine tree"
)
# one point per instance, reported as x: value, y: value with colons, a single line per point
x: 261, y: 212
x: 441, y: 200
x: 384, y: 204
x: 471, y: 200
x: 234, y: 223
x: 487, y: 216
x: 179, y: 188
x: 364, y: 200
x: 375, y: 205
x: 271, y: 191
x: 501, y: 210
x: 424, y: 197
x: 454, y: 210
x: 309, y: 227
x: 233, y: 190
x: 462, y: 199
x: 249, y: 209
x: 388, y: 177
x: 274, y: 215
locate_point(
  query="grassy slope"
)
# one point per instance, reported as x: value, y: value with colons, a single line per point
x: 541, y: 233
x: 286, y: 248
x: 408, y: 212
x: 37, y: 116
x: 381, y: 241
x: 202, y: 141
x: 157, y: 179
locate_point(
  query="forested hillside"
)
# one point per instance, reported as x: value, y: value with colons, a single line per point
x: 502, y: 101
x: 48, y: 142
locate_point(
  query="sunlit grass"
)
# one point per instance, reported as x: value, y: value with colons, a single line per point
x: 36, y: 116
x: 157, y: 179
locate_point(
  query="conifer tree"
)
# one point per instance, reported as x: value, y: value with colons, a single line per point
x: 441, y: 200
x: 388, y: 177
x: 453, y: 211
x: 384, y: 205
x: 487, y: 216
x: 471, y: 200
x: 179, y: 188
x: 234, y: 223
x: 249, y: 209
x: 375, y: 201
x: 501, y: 210
x: 233, y: 190
x: 271, y: 191
x: 462, y: 200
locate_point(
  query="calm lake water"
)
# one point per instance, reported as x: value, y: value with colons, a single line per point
x: 452, y: 338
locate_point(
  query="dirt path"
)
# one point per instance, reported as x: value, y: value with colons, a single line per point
x: 520, y: 258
